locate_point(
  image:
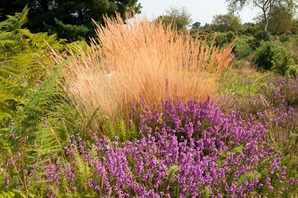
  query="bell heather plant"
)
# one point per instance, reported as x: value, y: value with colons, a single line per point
x: 185, y: 150
x: 275, y: 105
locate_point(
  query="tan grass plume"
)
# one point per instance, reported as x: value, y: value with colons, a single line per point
x: 141, y: 59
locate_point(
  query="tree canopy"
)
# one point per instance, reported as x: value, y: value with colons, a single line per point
x: 282, y: 20
x: 265, y: 6
x: 70, y: 19
x: 177, y: 18
x: 225, y: 23
x: 196, y: 25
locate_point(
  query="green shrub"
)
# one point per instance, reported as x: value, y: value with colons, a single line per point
x: 32, y: 104
x: 264, y: 55
x: 243, y: 48
x: 260, y: 35
x: 225, y: 38
x: 275, y: 57
x: 284, y: 38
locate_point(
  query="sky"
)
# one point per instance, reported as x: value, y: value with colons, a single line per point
x: 200, y: 10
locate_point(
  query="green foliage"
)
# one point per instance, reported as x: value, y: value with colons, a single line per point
x: 243, y: 47
x: 284, y: 38
x: 31, y: 102
x: 71, y: 20
x: 176, y: 18
x: 29, y: 134
x: 20, y: 61
x: 196, y: 25
x: 72, y: 32
x: 122, y: 131
x: 240, y: 84
x: 240, y: 89
x: 260, y: 35
x: 171, y: 172
x: 275, y: 57
x: 9, y: 29
x: 225, y: 23
x: 266, y: 8
x: 248, y: 29
x: 225, y: 38
x: 281, y: 20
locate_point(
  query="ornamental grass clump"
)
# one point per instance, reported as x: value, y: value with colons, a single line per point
x: 136, y: 60
x: 186, y: 150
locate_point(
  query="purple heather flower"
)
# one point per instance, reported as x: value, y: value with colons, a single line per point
x: 97, y: 188
x: 184, y: 150
x: 268, y: 183
x: 70, y: 175
x: 275, y: 164
x: 50, y: 196
x: 6, y: 179
x: 253, y: 184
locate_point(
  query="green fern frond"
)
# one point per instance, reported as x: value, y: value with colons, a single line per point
x: 16, y: 21
x: 5, y: 193
x: 31, y: 103
x: 4, y: 145
x: 6, y: 40
x: 8, y: 71
x: 32, y: 124
x: 9, y: 37
x: 41, y: 40
x: 171, y: 172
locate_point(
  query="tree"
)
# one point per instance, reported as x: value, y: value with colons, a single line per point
x: 248, y: 28
x: 70, y: 19
x: 177, y: 18
x: 282, y: 20
x: 225, y: 23
x: 196, y: 25
x: 266, y: 7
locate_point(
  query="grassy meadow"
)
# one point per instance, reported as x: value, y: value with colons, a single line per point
x: 145, y: 111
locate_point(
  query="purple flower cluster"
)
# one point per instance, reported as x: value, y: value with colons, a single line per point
x: 191, y: 150
x: 281, y: 91
x: 282, y: 96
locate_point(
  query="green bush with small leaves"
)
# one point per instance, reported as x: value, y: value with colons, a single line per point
x: 243, y: 47
x: 224, y: 38
x: 274, y: 56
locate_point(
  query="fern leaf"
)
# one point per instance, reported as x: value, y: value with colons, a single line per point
x: 6, y: 193
x: 15, y: 22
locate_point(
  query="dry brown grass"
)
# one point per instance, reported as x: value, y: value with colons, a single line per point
x: 142, y: 60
